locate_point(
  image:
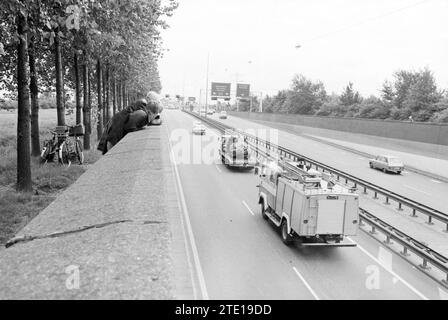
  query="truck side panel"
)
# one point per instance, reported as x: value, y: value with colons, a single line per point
x: 298, y: 205
x: 279, y: 198
x: 351, y: 215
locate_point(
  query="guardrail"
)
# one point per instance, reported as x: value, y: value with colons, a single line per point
x: 388, y: 195
x: 427, y: 255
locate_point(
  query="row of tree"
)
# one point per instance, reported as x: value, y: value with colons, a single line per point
x: 410, y: 96
x: 105, y: 50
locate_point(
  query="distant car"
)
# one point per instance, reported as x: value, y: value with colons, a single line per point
x: 199, y: 128
x: 157, y: 121
x: 223, y: 115
x: 387, y: 163
x: 202, y: 113
x: 210, y: 111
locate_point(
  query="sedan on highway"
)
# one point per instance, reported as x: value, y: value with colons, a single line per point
x: 198, y: 128
x: 223, y: 115
x: 387, y: 163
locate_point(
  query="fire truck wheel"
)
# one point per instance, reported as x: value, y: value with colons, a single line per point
x: 263, y: 212
x: 287, y: 239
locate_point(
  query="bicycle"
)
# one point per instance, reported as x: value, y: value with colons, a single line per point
x: 65, y: 144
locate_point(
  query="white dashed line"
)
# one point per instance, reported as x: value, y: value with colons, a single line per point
x: 306, y: 283
x: 389, y: 269
x: 409, y: 187
x: 245, y: 204
x: 217, y: 168
x: 436, y: 181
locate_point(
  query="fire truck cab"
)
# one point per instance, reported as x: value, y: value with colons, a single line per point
x: 308, y: 206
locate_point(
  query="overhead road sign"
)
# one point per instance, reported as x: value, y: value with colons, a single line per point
x: 220, y: 90
x: 242, y: 90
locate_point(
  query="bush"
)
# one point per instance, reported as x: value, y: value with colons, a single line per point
x: 441, y: 116
x: 9, y: 105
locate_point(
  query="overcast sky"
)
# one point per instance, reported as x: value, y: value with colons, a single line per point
x: 253, y: 41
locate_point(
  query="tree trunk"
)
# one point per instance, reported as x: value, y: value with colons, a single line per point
x: 104, y: 96
x: 60, y: 106
x: 107, y: 95
x: 24, y: 182
x: 123, y: 96
x: 34, y: 90
x: 99, y: 126
x: 77, y: 90
x: 114, y: 96
x: 118, y: 94
x: 89, y: 101
x: 85, y: 107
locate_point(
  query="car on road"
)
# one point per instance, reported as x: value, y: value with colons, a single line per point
x: 223, y: 115
x: 199, y: 128
x: 210, y: 111
x: 387, y: 163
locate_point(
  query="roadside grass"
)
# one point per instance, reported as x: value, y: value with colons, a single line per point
x: 49, y: 179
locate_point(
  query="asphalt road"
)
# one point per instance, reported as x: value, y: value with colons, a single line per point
x: 241, y: 256
x: 412, y: 185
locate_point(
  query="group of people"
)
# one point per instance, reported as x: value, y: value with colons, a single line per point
x: 132, y: 118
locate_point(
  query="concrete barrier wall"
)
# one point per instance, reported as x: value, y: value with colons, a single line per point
x: 420, y: 132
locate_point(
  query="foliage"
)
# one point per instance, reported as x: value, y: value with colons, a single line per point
x: 411, y: 94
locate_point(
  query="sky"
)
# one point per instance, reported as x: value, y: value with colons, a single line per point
x: 254, y: 41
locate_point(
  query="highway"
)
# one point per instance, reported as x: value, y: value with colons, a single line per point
x: 412, y: 185
x: 241, y: 256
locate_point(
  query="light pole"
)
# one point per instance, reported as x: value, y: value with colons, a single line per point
x: 206, y: 87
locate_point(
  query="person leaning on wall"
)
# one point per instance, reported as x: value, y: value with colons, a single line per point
x: 132, y: 118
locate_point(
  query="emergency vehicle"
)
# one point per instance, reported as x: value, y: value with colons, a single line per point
x: 234, y: 152
x: 308, y: 206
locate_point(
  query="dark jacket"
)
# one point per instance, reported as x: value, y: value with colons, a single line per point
x: 132, y: 118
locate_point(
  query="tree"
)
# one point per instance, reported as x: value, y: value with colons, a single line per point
x: 24, y: 182
x: 349, y: 96
x: 305, y: 96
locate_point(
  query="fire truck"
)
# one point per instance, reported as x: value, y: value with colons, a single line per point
x: 234, y: 152
x: 308, y: 206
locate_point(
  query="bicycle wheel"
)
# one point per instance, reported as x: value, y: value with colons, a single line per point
x: 79, y: 153
x: 47, y: 152
x: 64, y: 154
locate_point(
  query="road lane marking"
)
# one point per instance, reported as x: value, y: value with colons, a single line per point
x: 443, y: 294
x: 436, y: 181
x: 194, y: 249
x: 245, y: 204
x: 217, y: 168
x: 409, y: 187
x: 389, y: 269
x: 306, y: 284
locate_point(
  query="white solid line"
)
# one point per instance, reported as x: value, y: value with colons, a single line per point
x: 194, y: 249
x: 245, y: 204
x: 409, y: 187
x: 306, y: 284
x: 436, y: 181
x: 217, y: 168
x: 390, y: 271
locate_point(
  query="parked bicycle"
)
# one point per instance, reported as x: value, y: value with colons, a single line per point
x: 65, y: 145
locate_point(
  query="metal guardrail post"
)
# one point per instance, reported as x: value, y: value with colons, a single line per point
x: 405, y: 252
x: 365, y: 190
